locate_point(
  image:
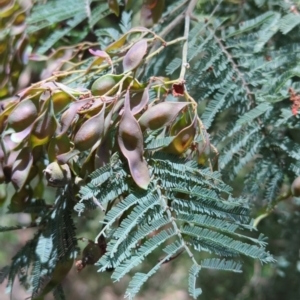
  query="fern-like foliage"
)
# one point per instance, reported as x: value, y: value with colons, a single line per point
x: 245, y: 85
x: 160, y: 181
x: 48, y: 256
x: 181, y: 211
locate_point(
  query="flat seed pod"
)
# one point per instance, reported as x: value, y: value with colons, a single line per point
x: 90, y: 131
x: 296, y: 187
x: 151, y: 12
x: 58, y: 145
x: 139, y: 101
x: 105, y: 83
x: 117, y: 44
x: 44, y: 126
x: 20, y: 200
x: 61, y: 100
x: 161, y: 115
x: 23, y: 115
x: 130, y: 139
x: 21, y: 168
x: 183, y: 139
x: 19, y: 137
x: 135, y: 55
x: 69, y: 115
x: 114, y: 7
x: 2, y: 175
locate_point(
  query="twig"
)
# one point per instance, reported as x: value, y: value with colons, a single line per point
x: 188, y: 13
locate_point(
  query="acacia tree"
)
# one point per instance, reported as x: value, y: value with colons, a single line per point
x: 149, y: 125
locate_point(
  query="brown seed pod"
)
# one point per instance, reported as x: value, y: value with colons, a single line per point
x: 135, y: 55
x: 296, y: 187
x: 90, y: 131
x: 23, y: 115
x: 20, y: 199
x: 161, y: 115
x: 21, y: 168
x: 183, y: 139
x: 105, y: 83
x: 68, y: 116
x: 130, y: 139
x: 44, y: 126
x: 114, y: 7
x: 139, y: 101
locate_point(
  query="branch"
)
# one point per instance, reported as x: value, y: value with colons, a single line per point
x: 188, y: 13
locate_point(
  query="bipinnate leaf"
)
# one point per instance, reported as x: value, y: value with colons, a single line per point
x: 161, y: 115
x: 135, y: 55
x: 130, y: 139
x: 90, y: 131
x: 21, y: 168
x: 183, y: 139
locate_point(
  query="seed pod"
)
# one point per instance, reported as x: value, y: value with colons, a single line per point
x: 183, y: 139
x: 114, y: 7
x: 60, y: 100
x: 58, y: 145
x: 2, y: 175
x: 161, y: 115
x: 44, y: 126
x: 296, y: 187
x: 135, y: 55
x: 139, y: 101
x: 21, y: 168
x: 68, y: 116
x: 105, y: 83
x: 5, y: 112
x: 91, y: 254
x: 23, y: 115
x: 57, y: 175
x: 130, y: 139
x: 151, y: 12
x: 3, y: 190
x: 90, y: 131
x: 20, y: 199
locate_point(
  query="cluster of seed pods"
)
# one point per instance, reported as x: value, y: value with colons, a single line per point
x: 52, y: 122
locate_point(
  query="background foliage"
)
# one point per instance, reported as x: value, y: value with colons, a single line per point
x: 243, y: 72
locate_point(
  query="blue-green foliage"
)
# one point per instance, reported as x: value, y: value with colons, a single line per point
x: 53, y: 243
x: 243, y: 85
x: 182, y: 211
x: 241, y: 79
